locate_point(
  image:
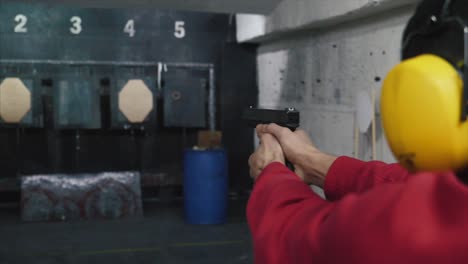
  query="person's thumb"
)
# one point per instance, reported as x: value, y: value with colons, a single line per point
x: 274, y: 129
x: 272, y: 146
x: 267, y: 139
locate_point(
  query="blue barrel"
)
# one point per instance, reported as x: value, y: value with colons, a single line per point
x: 205, y: 187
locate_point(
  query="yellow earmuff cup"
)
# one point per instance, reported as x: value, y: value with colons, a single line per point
x: 421, y: 115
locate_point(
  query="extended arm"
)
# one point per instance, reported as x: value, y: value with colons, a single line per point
x: 392, y: 223
x: 337, y: 175
x: 348, y: 175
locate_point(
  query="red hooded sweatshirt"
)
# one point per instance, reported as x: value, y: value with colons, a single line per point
x: 375, y: 213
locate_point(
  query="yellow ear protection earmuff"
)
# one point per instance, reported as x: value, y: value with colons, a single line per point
x: 424, y: 105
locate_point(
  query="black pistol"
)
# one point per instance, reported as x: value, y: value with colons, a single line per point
x: 288, y: 117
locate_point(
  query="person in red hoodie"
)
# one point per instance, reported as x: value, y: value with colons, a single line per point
x: 413, y: 211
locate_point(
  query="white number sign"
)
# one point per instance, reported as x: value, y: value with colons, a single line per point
x: 21, y: 20
x: 130, y: 28
x: 179, y: 29
x: 76, y: 25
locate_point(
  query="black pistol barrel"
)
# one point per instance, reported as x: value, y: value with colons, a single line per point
x: 288, y: 117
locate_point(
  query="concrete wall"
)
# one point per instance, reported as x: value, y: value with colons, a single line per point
x: 322, y: 66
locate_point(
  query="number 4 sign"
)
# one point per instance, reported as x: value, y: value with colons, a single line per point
x: 130, y: 28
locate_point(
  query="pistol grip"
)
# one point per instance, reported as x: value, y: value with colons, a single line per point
x: 290, y: 165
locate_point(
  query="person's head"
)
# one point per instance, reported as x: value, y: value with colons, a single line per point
x: 435, y: 28
x: 423, y: 110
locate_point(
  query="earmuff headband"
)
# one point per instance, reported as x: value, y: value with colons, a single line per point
x: 465, y: 76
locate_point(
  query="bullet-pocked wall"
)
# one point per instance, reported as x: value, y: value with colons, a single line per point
x: 327, y: 58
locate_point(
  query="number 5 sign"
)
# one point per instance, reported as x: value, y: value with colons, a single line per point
x: 179, y: 29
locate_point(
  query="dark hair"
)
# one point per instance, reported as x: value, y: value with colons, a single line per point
x: 434, y: 29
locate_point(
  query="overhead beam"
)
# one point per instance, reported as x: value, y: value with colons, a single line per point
x: 218, y: 6
x: 292, y: 16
